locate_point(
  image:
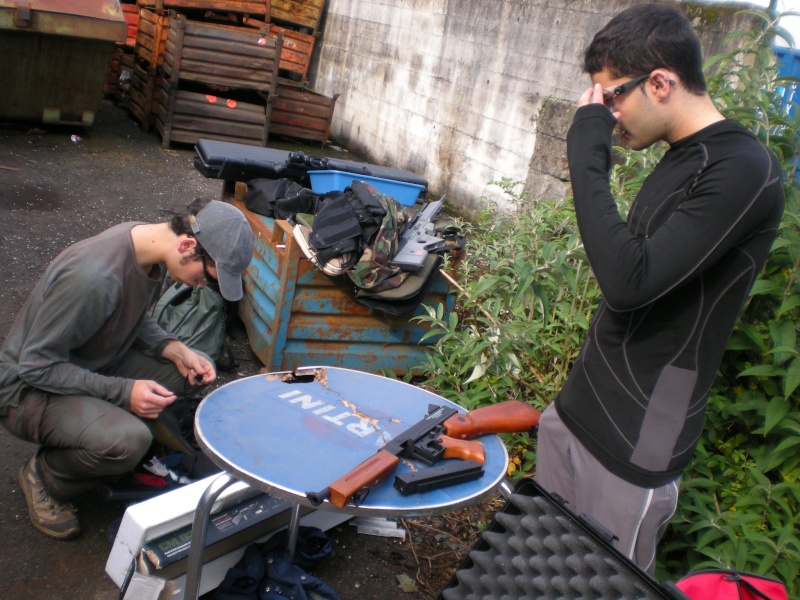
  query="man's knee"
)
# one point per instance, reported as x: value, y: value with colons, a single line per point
x: 123, y: 444
x: 107, y: 449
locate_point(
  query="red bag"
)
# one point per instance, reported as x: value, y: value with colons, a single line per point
x: 718, y: 584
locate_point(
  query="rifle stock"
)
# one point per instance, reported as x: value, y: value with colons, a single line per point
x: 358, y: 482
x: 505, y: 417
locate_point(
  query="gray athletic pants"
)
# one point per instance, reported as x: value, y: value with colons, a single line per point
x: 85, y: 440
x: 637, y: 516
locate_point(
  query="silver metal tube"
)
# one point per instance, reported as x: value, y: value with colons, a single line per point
x: 194, y: 566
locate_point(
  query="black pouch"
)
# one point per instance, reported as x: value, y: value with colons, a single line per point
x: 336, y: 229
x: 279, y: 198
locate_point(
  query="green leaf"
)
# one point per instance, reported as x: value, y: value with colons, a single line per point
x: 783, y: 335
x: 792, y: 379
x: 752, y: 334
x: 708, y: 537
x: 760, y: 478
x: 765, y: 286
x: 761, y: 371
x: 776, y: 410
x: 478, y: 371
x: 785, y: 448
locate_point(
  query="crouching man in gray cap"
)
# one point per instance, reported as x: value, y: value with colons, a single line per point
x: 78, y: 375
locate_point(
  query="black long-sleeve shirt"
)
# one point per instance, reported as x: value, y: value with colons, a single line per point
x: 674, y: 278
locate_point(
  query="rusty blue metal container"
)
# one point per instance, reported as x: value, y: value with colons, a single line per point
x: 56, y: 56
x: 297, y: 316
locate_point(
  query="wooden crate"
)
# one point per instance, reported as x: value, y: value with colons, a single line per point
x: 151, y: 39
x: 302, y: 113
x: 300, y: 13
x: 250, y: 7
x: 295, y: 53
x: 221, y: 55
x: 144, y: 93
x: 131, y: 14
x: 184, y: 116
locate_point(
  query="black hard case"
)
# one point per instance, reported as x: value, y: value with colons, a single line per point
x: 536, y: 548
x: 241, y: 162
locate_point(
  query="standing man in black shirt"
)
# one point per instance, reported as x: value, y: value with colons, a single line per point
x: 674, y: 275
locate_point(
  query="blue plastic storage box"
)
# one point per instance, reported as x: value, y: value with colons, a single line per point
x: 326, y: 181
x: 789, y: 66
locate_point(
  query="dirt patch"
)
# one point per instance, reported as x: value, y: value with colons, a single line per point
x: 419, y: 567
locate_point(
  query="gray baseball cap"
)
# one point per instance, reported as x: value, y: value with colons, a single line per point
x: 224, y: 233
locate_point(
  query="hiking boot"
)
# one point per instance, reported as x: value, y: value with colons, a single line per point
x: 57, y: 519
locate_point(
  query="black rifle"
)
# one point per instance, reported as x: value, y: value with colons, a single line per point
x: 417, y: 239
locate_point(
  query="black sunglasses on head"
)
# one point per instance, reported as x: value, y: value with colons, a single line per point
x: 610, y: 93
x: 211, y: 281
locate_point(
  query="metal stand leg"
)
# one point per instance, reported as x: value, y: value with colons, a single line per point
x: 194, y: 566
x: 294, y: 527
x: 506, y: 488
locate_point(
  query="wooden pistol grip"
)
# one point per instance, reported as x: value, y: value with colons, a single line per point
x: 504, y: 417
x: 366, y: 475
x: 463, y: 449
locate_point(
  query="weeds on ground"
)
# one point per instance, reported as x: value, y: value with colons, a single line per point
x: 519, y: 319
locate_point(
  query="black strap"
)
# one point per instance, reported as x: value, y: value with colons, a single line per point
x: 304, y: 201
x: 741, y: 582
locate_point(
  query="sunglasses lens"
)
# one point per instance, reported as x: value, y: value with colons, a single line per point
x: 211, y: 282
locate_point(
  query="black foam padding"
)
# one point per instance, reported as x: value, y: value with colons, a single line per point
x: 537, y: 549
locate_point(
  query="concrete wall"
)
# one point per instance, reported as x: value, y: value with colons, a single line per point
x: 464, y: 92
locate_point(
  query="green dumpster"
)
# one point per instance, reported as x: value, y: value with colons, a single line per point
x: 55, y: 57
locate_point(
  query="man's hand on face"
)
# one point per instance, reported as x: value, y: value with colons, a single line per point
x: 594, y: 95
x: 148, y: 398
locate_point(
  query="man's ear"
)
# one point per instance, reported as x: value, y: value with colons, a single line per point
x: 662, y: 80
x: 186, y: 244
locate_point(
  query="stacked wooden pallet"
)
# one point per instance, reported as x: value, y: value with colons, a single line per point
x: 219, y: 82
x: 118, y: 75
x: 229, y: 70
x: 299, y: 112
x: 151, y: 39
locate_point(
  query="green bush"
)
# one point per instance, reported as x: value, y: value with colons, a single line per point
x: 526, y: 302
x: 526, y: 298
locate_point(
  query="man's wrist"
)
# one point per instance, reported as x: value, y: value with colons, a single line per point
x: 170, y: 351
